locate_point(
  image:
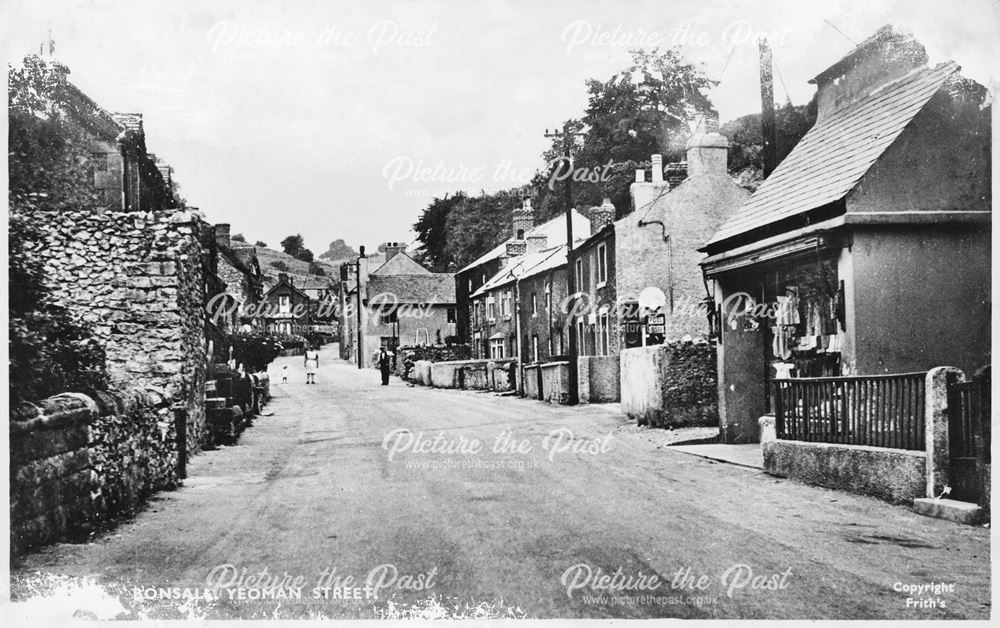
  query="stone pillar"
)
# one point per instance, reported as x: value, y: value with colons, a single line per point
x: 936, y: 426
x: 768, y: 431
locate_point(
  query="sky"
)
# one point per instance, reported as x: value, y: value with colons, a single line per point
x: 344, y: 119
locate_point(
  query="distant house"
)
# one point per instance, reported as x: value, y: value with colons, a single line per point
x: 240, y: 271
x: 473, y: 276
x: 403, y: 304
x: 286, y: 308
x: 868, y: 248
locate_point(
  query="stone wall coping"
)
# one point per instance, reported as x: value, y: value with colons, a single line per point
x: 868, y: 448
x: 66, y: 408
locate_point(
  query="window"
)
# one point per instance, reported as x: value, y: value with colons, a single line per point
x: 452, y: 315
x: 534, y: 348
x: 548, y: 296
x: 581, y: 336
x: 534, y: 305
x: 284, y: 306
x: 496, y: 348
x: 491, y: 312
x: 602, y: 264
x: 387, y: 317
x: 505, y: 304
x: 470, y: 285
x: 579, y: 275
x: 520, y: 234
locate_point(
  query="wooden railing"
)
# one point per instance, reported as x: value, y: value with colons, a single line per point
x: 874, y: 410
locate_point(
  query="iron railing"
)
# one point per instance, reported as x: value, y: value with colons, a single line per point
x: 874, y: 410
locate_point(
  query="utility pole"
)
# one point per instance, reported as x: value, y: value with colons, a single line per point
x: 767, y: 123
x: 361, y: 351
x: 567, y: 135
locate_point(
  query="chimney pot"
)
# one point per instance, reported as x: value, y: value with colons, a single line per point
x: 640, y: 176
x: 657, y: 168
x: 392, y: 249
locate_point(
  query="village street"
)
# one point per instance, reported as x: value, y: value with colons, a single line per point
x: 312, y: 487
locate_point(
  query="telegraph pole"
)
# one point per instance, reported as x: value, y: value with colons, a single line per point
x: 567, y: 135
x: 361, y: 350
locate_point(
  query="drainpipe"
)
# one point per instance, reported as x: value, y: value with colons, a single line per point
x: 517, y: 333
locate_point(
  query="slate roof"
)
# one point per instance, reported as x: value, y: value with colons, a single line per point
x: 433, y: 288
x: 401, y: 264
x: 833, y: 156
x: 525, y: 266
x: 554, y: 229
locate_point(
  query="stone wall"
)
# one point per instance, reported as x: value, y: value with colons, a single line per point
x: 76, y: 461
x: 895, y: 475
x: 599, y: 378
x: 670, y: 385
x: 139, y: 280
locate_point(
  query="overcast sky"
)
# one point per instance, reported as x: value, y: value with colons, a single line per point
x: 314, y: 117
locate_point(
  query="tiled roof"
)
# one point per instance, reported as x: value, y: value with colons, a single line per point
x: 554, y: 229
x: 833, y: 156
x: 435, y: 288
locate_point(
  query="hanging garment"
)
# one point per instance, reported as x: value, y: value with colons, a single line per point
x: 783, y: 370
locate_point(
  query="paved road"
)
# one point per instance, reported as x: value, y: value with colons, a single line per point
x: 313, y: 487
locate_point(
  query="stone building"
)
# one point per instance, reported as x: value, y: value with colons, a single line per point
x: 673, y: 218
x: 286, y: 309
x: 473, y: 276
x: 883, y: 203
x: 240, y: 271
x: 405, y: 304
x: 593, y: 261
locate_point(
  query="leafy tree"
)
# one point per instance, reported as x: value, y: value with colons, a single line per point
x: 293, y: 245
x: 477, y: 224
x: 339, y: 250
x: 50, y: 351
x: 239, y: 238
x: 316, y: 269
x: 746, y: 139
x: 280, y: 265
x: 432, y: 232
x: 261, y: 244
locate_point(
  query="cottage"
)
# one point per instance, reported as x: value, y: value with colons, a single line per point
x: 240, y: 272
x: 473, y: 276
x: 827, y: 269
x: 286, y: 309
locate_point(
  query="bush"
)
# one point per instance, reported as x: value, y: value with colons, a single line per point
x: 50, y: 353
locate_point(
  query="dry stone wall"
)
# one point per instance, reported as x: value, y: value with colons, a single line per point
x: 76, y: 461
x: 138, y: 278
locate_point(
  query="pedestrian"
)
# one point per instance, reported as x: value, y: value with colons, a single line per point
x: 312, y: 364
x: 384, y: 364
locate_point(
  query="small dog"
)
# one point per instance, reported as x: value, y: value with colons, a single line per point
x: 284, y: 374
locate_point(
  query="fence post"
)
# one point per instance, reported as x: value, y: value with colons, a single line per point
x: 936, y: 426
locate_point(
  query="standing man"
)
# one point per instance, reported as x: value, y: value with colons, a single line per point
x: 384, y: 364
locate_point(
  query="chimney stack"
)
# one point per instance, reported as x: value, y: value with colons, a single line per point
x: 524, y: 220
x: 392, y: 249
x: 222, y: 235
x: 676, y: 173
x: 537, y: 242
x: 282, y: 277
x: 640, y: 176
x: 657, y: 168
x: 707, y: 150
x: 601, y: 216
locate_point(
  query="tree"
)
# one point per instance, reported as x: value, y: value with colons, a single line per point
x: 432, y: 232
x: 477, y: 224
x: 48, y: 157
x: 294, y: 245
x: 261, y: 244
x: 239, y: 238
x: 746, y: 143
x: 280, y: 265
x: 339, y: 250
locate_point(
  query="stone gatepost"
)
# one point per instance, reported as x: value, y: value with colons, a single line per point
x: 936, y: 426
